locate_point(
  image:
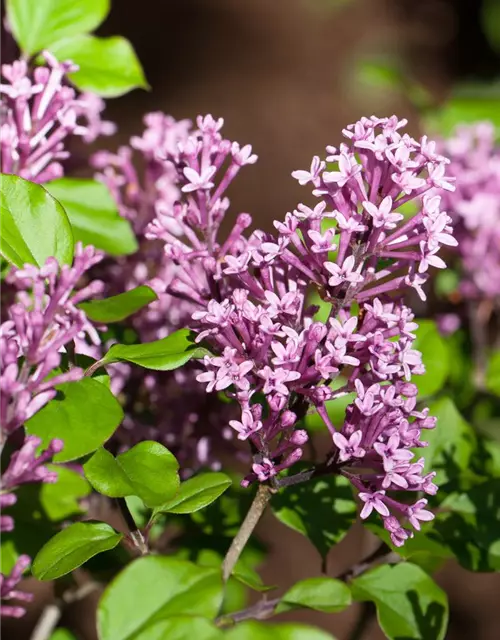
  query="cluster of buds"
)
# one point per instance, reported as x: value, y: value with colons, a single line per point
x: 356, y: 248
x: 42, y: 322
x: 39, y: 113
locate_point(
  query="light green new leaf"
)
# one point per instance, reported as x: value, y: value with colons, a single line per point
x: 435, y: 356
x: 36, y: 24
x: 62, y: 634
x: 72, y: 547
x: 117, y: 308
x: 322, y: 594
x: 84, y: 414
x: 155, y: 588
x: 409, y: 603
x: 181, y: 628
x: 161, y: 355
x: 107, y: 66
x: 493, y: 374
x: 148, y: 471
x: 34, y: 224
x: 196, y: 493
x: 94, y: 215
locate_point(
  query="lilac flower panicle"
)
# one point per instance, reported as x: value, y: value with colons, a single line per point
x: 9, y: 592
x: 39, y: 113
x: 248, y: 297
x: 475, y: 207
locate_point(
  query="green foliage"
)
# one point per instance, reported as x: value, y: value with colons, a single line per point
x: 409, y: 603
x: 153, y: 589
x: 72, y: 547
x: 34, y: 225
x: 37, y: 24
x: 84, y: 414
x: 252, y: 630
x: 493, y: 374
x: 196, y: 493
x: 322, y: 594
x: 469, y: 105
x: 248, y: 576
x: 161, y: 355
x: 62, y: 634
x: 107, y: 66
x: 61, y: 499
x: 93, y: 215
x: 147, y: 470
x: 435, y: 356
x: 322, y: 509
x: 119, y: 307
x: 181, y: 628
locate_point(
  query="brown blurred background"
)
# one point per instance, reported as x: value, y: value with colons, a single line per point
x: 282, y: 73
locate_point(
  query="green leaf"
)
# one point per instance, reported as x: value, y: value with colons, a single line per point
x: 34, y: 224
x: 196, y: 493
x: 252, y: 630
x: 36, y: 24
x: 148, y: 471
x: 117, y: 308
x: 161, y: 355
x: 84, y: 414
x: 493, y: 374
x: 181, y: 628
x: 155, y: 588
x: 94, y: 215
x: 435, y: 356
x: 72, y: 547
x: 322, y: 509
x: 62, y: 634
x: 451, y: 444
x: 249, y: 577
x: 61, y: 499
x: 322, y: 594
x: 107, y: 66
x: 409, y: 603
x: 464, y: 109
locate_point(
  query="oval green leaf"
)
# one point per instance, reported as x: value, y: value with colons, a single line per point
x: 117, y: 308
x: 34, y: 224
x: 409, y: 603
x: 107, y: 66
x: 322, y: 594
x: 61, y: 499
x: 322, y: 509
x: 252, y: 630
x: 84, y: 414
x: 196, y: 493
x: 181, y: 628
x: 152, y: 589
x: 148, y: 471
x: 36, y: 24
x: 94, y: 215
x: 72, y: 547
x: 493, y: 374
x: 161, y: 355
x: 435, y: 356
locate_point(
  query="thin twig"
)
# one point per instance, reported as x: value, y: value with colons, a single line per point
x: 52, y: 613
x: 135, y: 535
x: 366, y: 612
x: 266, y: 608
x: 257, y: 508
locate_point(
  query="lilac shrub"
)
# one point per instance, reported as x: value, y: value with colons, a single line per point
x: 42, y: 323
x: 250, y: 293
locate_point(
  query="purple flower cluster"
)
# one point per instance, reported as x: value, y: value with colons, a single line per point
x: 170, y: 407
x: 41, y: 324
x: 475, y: 207
x: 39, y: 113
x: 355, y: 248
